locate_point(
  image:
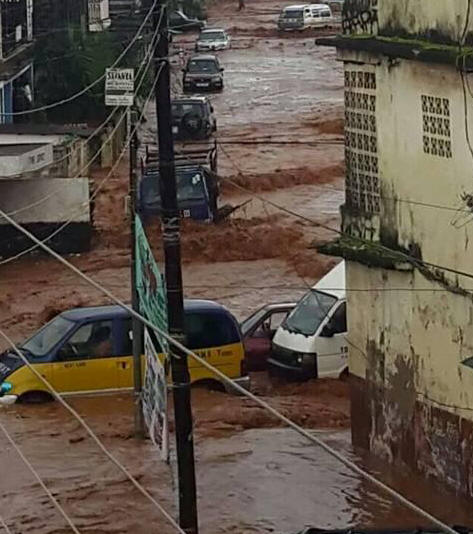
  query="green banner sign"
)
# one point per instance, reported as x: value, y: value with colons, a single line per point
x: 150, y: 284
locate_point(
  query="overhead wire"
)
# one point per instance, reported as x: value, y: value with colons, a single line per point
x: 104, y: 180
x: 35, y: 473
x: 102, y: 146
x: 4, y: 525
x: 417, y: 392
x: 377, y: 246
x: 95, y: 82
x: 92, y: 435
x: 314, y: 439
x: 66, y: 156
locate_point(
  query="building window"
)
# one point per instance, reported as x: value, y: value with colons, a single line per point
x: 361, y: 141
x: 436, y: 126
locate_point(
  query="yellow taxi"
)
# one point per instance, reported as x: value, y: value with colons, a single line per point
x: 88, y: 351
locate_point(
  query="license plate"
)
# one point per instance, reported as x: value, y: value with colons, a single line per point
x: 175, y: 129
x: 202, y: 84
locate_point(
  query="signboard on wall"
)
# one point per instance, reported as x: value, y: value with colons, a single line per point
x: 119, y: 87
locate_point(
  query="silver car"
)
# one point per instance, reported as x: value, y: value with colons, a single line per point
x: 212, y: 39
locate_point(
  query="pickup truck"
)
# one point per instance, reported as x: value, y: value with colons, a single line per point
x: 197, y: 183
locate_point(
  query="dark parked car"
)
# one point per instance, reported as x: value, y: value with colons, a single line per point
x: 193, y: 118
x: 258, y: 331
x: 179, y: 21
x: 202, y: 73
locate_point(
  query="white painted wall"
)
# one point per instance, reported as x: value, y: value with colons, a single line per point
x: 428, y: 327
x: 47, y: 200
x: 33, y: 160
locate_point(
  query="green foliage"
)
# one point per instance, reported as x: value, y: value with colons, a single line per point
x: 69, y: 61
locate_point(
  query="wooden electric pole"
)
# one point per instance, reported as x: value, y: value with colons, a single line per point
x: 173, y: 275
x: 137, y: 326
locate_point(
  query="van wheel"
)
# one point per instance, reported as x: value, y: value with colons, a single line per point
x: 35, y: 397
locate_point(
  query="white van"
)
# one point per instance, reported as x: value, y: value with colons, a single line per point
x: 311, y: 342
x: 302, y: 16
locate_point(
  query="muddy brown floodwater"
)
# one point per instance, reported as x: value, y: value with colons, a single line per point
x: 283, y: 95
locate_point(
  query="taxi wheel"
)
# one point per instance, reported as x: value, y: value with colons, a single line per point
x: 35, y: 397
x: 210, y: 384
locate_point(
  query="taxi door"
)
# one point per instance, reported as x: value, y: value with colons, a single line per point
x: 86, y: 362
x: 124, y: 359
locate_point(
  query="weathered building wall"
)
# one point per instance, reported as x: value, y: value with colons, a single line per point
x: 442, y: 21
x: 407, y: 154
x: 43, y: 206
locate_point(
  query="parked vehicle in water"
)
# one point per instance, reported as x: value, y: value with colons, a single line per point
x: 193, y: 118
x: 197, y: 193
x: 311, y: 342
x: 303, y: 16
x: 88, y: 351
x: 212, y: 39
x: 258, y: 331
x: 202, y: 73
x: 179, y: 21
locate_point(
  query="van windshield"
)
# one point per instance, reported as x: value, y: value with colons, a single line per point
x: 45, y: 339
x: 307, y: 316
x: 293, y: 14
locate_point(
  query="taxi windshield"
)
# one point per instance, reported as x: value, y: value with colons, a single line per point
x: 45, y: 339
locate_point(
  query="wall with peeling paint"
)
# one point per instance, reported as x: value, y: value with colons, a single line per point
x: 442, y: 21
x: 410, y: 332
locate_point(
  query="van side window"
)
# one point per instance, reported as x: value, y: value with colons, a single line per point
x: 316, y: 13
x: 92, y: 340
x: 205, y: 330
x: 326, y: 13
x: 338, y: 322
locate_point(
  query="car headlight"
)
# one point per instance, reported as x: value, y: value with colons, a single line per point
x: 5, y: 388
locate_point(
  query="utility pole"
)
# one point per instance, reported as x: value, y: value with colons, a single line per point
x: 137, y: 326
x: 172, y: 259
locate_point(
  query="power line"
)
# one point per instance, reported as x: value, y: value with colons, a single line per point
x: 314, y: 439
x: 66, y: 156
x: 418, y: 393
x: 5, y: 526
x: 92, y: 434
x: 94, y: 83
x: 147, y: 60
x: 102, y: 183
x: 35, y: 473
x: 411, y: 259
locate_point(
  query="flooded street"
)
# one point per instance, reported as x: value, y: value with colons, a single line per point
x: 281, y: 128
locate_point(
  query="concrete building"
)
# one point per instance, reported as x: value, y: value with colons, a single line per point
x: 16, y: 69
x: 408, y: 209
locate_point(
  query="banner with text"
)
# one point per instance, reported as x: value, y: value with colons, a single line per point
x: 154, y: 396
